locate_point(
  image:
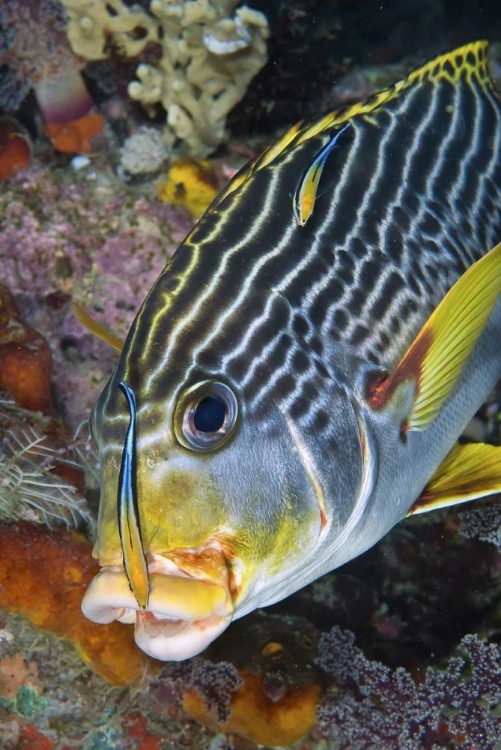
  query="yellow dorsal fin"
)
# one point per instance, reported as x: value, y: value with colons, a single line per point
x: 438, y: 354
x: 468, y: 62
x: 469, y: 471
x: 98, y: 329
x: 259, y: 162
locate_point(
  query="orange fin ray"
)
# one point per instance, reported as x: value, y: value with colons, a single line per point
x: 438, y: 354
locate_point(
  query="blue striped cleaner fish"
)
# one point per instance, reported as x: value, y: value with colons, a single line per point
x: 296, y: 381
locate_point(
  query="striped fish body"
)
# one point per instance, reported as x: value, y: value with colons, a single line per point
x: 279, y: 385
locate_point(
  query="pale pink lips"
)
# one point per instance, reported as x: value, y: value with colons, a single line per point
x: 184, y: 614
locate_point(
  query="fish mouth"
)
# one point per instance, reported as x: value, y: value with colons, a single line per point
x: 187, y: 607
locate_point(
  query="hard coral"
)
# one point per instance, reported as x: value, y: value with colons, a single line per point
x: 44, y: 575
x: 209, y: 56
x: 373, y: 705
x: 94, y: 24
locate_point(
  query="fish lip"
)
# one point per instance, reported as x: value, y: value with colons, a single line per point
x: 184, y: 613
x: 179, y: 640
x: 109, y: 597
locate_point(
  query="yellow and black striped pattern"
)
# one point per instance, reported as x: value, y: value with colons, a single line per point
x: 408, y: 199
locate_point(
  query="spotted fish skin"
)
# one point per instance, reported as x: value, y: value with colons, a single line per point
x: 296, y: 317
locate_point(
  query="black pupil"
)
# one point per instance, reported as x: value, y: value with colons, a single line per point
x: 209, y: 414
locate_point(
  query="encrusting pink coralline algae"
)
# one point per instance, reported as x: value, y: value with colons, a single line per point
x: 67, y: 236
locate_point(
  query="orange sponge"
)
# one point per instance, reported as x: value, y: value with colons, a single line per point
x: 44, y: 574
x: 25, y: 359
x: 74, y: 137
x: 15, y: 148
x: 256, y: 717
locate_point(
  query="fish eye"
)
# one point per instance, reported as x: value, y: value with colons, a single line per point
x: 205, y: 415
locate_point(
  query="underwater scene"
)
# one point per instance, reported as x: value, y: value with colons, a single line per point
x: 250, y: 365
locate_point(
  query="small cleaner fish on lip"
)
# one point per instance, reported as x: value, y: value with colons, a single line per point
x: 296, y: 380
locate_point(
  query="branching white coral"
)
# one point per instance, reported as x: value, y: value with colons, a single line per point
x: 92, y: 24
x: 210, y: 53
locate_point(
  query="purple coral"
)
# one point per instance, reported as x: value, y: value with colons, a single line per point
x: 482, y: 523
x: 374, y: 706
x: 214, y: 682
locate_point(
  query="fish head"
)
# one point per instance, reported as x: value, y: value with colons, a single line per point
x: 229, y: 497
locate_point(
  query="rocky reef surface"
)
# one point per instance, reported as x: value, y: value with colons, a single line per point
x: 399, y: 649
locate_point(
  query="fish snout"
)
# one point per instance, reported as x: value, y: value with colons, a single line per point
x: 188, y: 607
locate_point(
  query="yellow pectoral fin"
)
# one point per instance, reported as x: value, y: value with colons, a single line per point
x: 469, y: 471
x: 98, y: 329
x: 440, y: 351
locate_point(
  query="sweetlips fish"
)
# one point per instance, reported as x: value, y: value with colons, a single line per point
x: 296, y: 380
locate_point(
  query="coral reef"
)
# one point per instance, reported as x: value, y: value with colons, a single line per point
x: 266, y: 701
x: 74, y: 136
x: 267, y: 694
x: 453, y: 707
x: 210, y: 53
x: 143, y: 153
x: 255, y: 716
x: 209, y: 58
x: 18, y: 734
x: 60, y: 703
x: 36, y: 55
x: 74, y: 235
x: 94, y: 24
x: 41, y: 474
x: 51, y: 598
x: 215, y: 685
x: 100, y: 239
x: 482, y: 523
